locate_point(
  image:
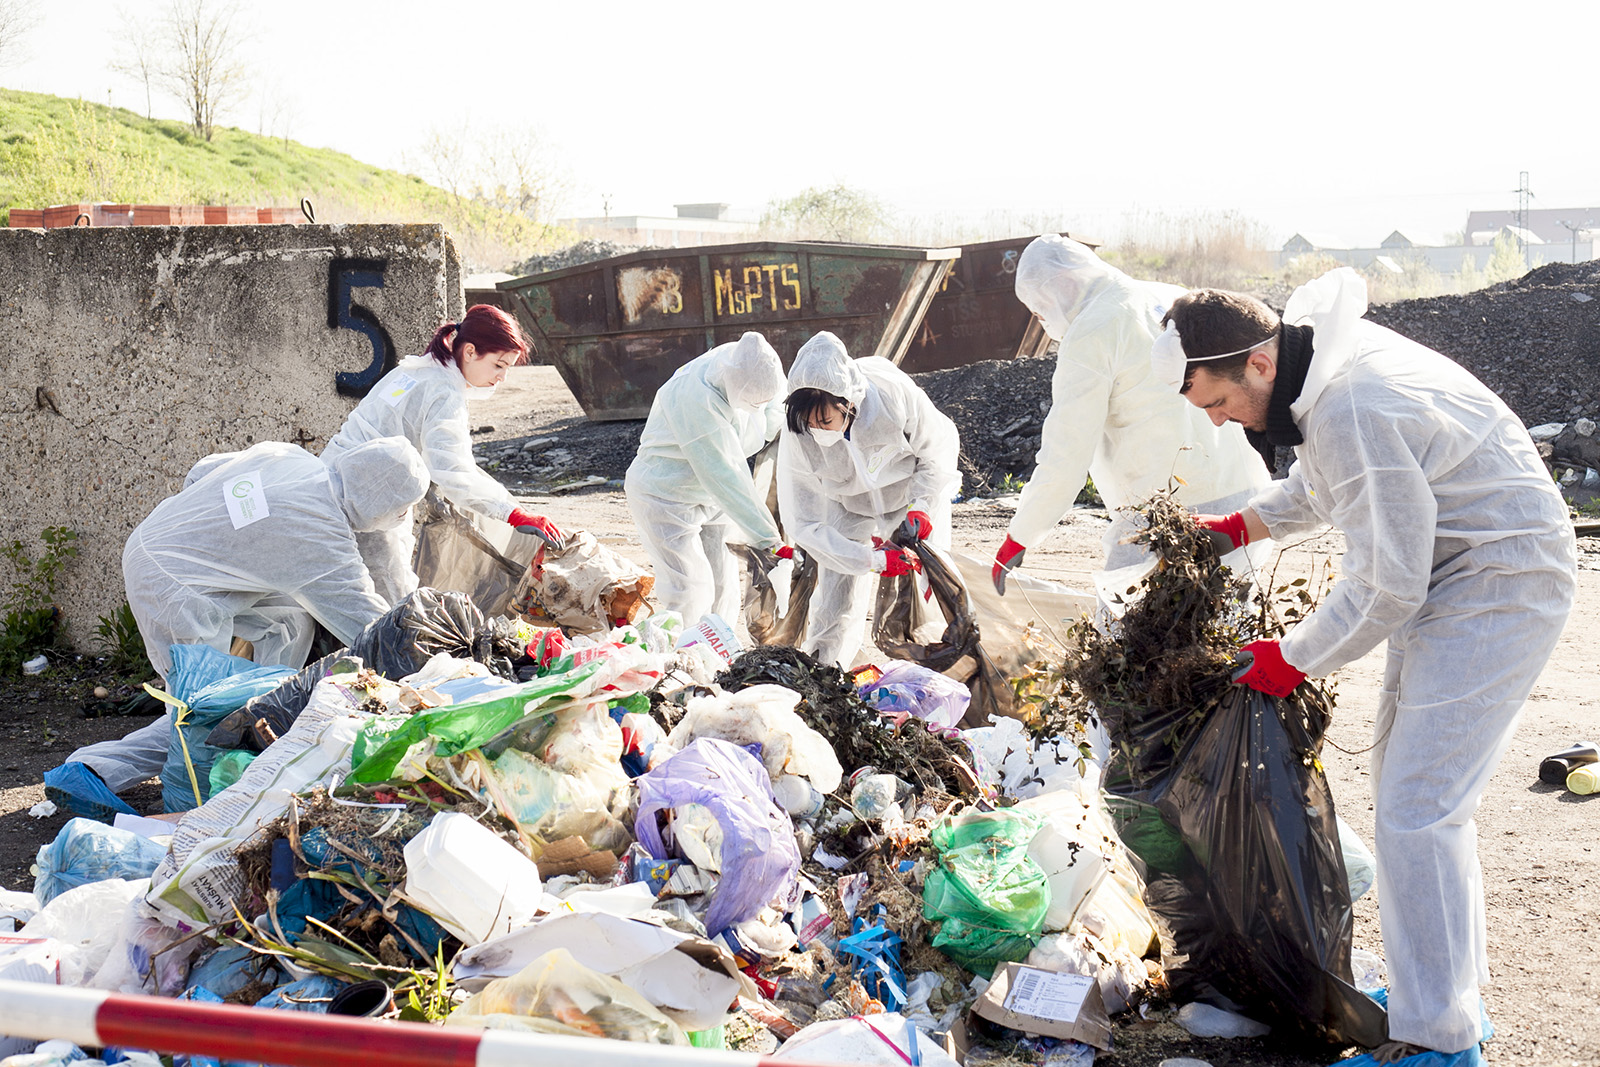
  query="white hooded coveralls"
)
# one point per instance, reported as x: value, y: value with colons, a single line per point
x: 1459, y: 554
x: 194, y: 577
x: 899, y: 455
x: 425, y: 402
x: 689, y: 487
x: 1110, y: 417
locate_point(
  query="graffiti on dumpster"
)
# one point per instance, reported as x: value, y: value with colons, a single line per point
x: 746, y: 290
x: 641, y: 290
x: 345, y: 275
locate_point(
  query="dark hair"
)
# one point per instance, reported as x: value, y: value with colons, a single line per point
x: 802, y: 404
x: 485, y: 327
x: 1216, y: 320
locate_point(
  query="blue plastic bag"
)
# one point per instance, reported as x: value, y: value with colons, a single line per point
x: 88, y: 851
x: 213, y: 684
x: 759, y: 853
x: 78, y: 789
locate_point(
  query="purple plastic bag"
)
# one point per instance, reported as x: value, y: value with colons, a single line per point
x: 927, y: 694
x: 759, y: 853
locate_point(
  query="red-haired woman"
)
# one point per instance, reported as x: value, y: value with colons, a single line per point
x: 424, y: 400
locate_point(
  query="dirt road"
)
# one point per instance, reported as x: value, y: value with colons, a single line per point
x: 1537, y: 842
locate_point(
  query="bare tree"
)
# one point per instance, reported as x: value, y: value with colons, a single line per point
x: 138, y: 50
x: 200, y: 62
x: 511, y: 169
x: 17, y: 17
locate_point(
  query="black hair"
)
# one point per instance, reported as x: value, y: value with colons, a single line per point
x: 803, y: 404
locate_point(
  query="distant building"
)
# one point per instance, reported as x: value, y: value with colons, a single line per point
x: 1545, y: 223
x: 694, y: 224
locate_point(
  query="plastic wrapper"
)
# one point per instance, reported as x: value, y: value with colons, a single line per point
x: 212, y: 684
x: 883, y: 1040
x: 555, y: 994
x: 771, y: 620
x: 917, y: 690
x: 1236, y: 833
x: 397, y: 644
x: 560, y: 777
x: 759, y: 857
x: 87, y: 851
x: 764, y: 715
x: 988, y: 895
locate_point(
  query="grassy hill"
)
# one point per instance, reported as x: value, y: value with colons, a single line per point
x: 59, y: 151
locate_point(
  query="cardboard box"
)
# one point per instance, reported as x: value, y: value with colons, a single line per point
x: 1048, y: 1003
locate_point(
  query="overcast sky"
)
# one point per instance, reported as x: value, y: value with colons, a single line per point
x: 1350, y: 119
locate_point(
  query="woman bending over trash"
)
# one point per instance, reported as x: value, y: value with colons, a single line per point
x: 690, y: 488
x: 424, y: 400
x: 863, y: 450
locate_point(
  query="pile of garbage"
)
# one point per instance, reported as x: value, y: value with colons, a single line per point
x: 606, y: 822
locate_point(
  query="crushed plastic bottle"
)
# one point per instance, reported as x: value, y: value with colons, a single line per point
x: 36, y: 665
x: 875, y: 795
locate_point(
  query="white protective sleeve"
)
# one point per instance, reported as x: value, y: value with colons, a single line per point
x: 426, y: 403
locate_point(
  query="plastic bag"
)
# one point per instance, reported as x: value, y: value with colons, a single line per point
x: 211, y: 684
x: 472, y: 882
x: 585, y: 587
x: 1236, y: 833
x: 454, y: 554
x: 1075, y: 847
x: 759, y: 856
x: 561, y: 778
x: 763, y: 715
x: 882, y: 1040
x: 927, y: 694
x: 87, y: 851
x: 228, y: 767
x: 398, y: 643
x: 86, y: 920
x: 386, y: 741
x: 987, y: 893
x: 767, y: 624
x: 555, y: 994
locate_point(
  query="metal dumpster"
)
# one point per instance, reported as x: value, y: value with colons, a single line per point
x: 617, y: 329
x: 976, y: 314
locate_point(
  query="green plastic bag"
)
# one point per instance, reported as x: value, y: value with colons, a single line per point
x: 383, y: 744
x: 989, y: 897
x: 228, y: 767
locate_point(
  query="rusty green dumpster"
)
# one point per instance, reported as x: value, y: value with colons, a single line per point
x: 618, y: 328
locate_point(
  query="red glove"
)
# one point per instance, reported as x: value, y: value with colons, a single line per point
x: 537, y: 526
x: 1229, y: 526
x: 895, y: 560
x: 784, y: 552
x: 1267, y: 671
x: 1009, y: 556
x: 920, y: 524
x: 548, y: 647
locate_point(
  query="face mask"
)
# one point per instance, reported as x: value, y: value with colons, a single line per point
x: 827, y: 438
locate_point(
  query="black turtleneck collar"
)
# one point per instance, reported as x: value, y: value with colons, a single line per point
x: 1294, y: 361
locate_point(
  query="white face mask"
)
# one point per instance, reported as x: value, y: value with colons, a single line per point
x: 827, y: 438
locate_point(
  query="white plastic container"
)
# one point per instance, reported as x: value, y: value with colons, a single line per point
x: 475, y: 884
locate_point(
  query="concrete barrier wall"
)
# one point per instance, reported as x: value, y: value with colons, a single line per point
x: 129, y: 353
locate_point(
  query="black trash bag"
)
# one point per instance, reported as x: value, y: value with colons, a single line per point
x: 760, y: 598
x: 396, y: 644
x: 453, y: 554
x: 905, y: 627
x: 1230, y: 817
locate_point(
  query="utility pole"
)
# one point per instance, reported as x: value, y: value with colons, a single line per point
x: 1574, y: 227
x: 1524, y: 212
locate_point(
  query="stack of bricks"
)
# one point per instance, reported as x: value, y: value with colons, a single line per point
x: 151, y: 215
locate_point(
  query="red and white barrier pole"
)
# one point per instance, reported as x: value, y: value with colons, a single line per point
x: 93, y: 1018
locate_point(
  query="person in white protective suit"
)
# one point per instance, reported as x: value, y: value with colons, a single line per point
x: 259, y: 545
x: 424, y: 400
x: 690, y: 488
x: 1459, y: 553
x: 863, y: 450
x: 1109, y: 417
